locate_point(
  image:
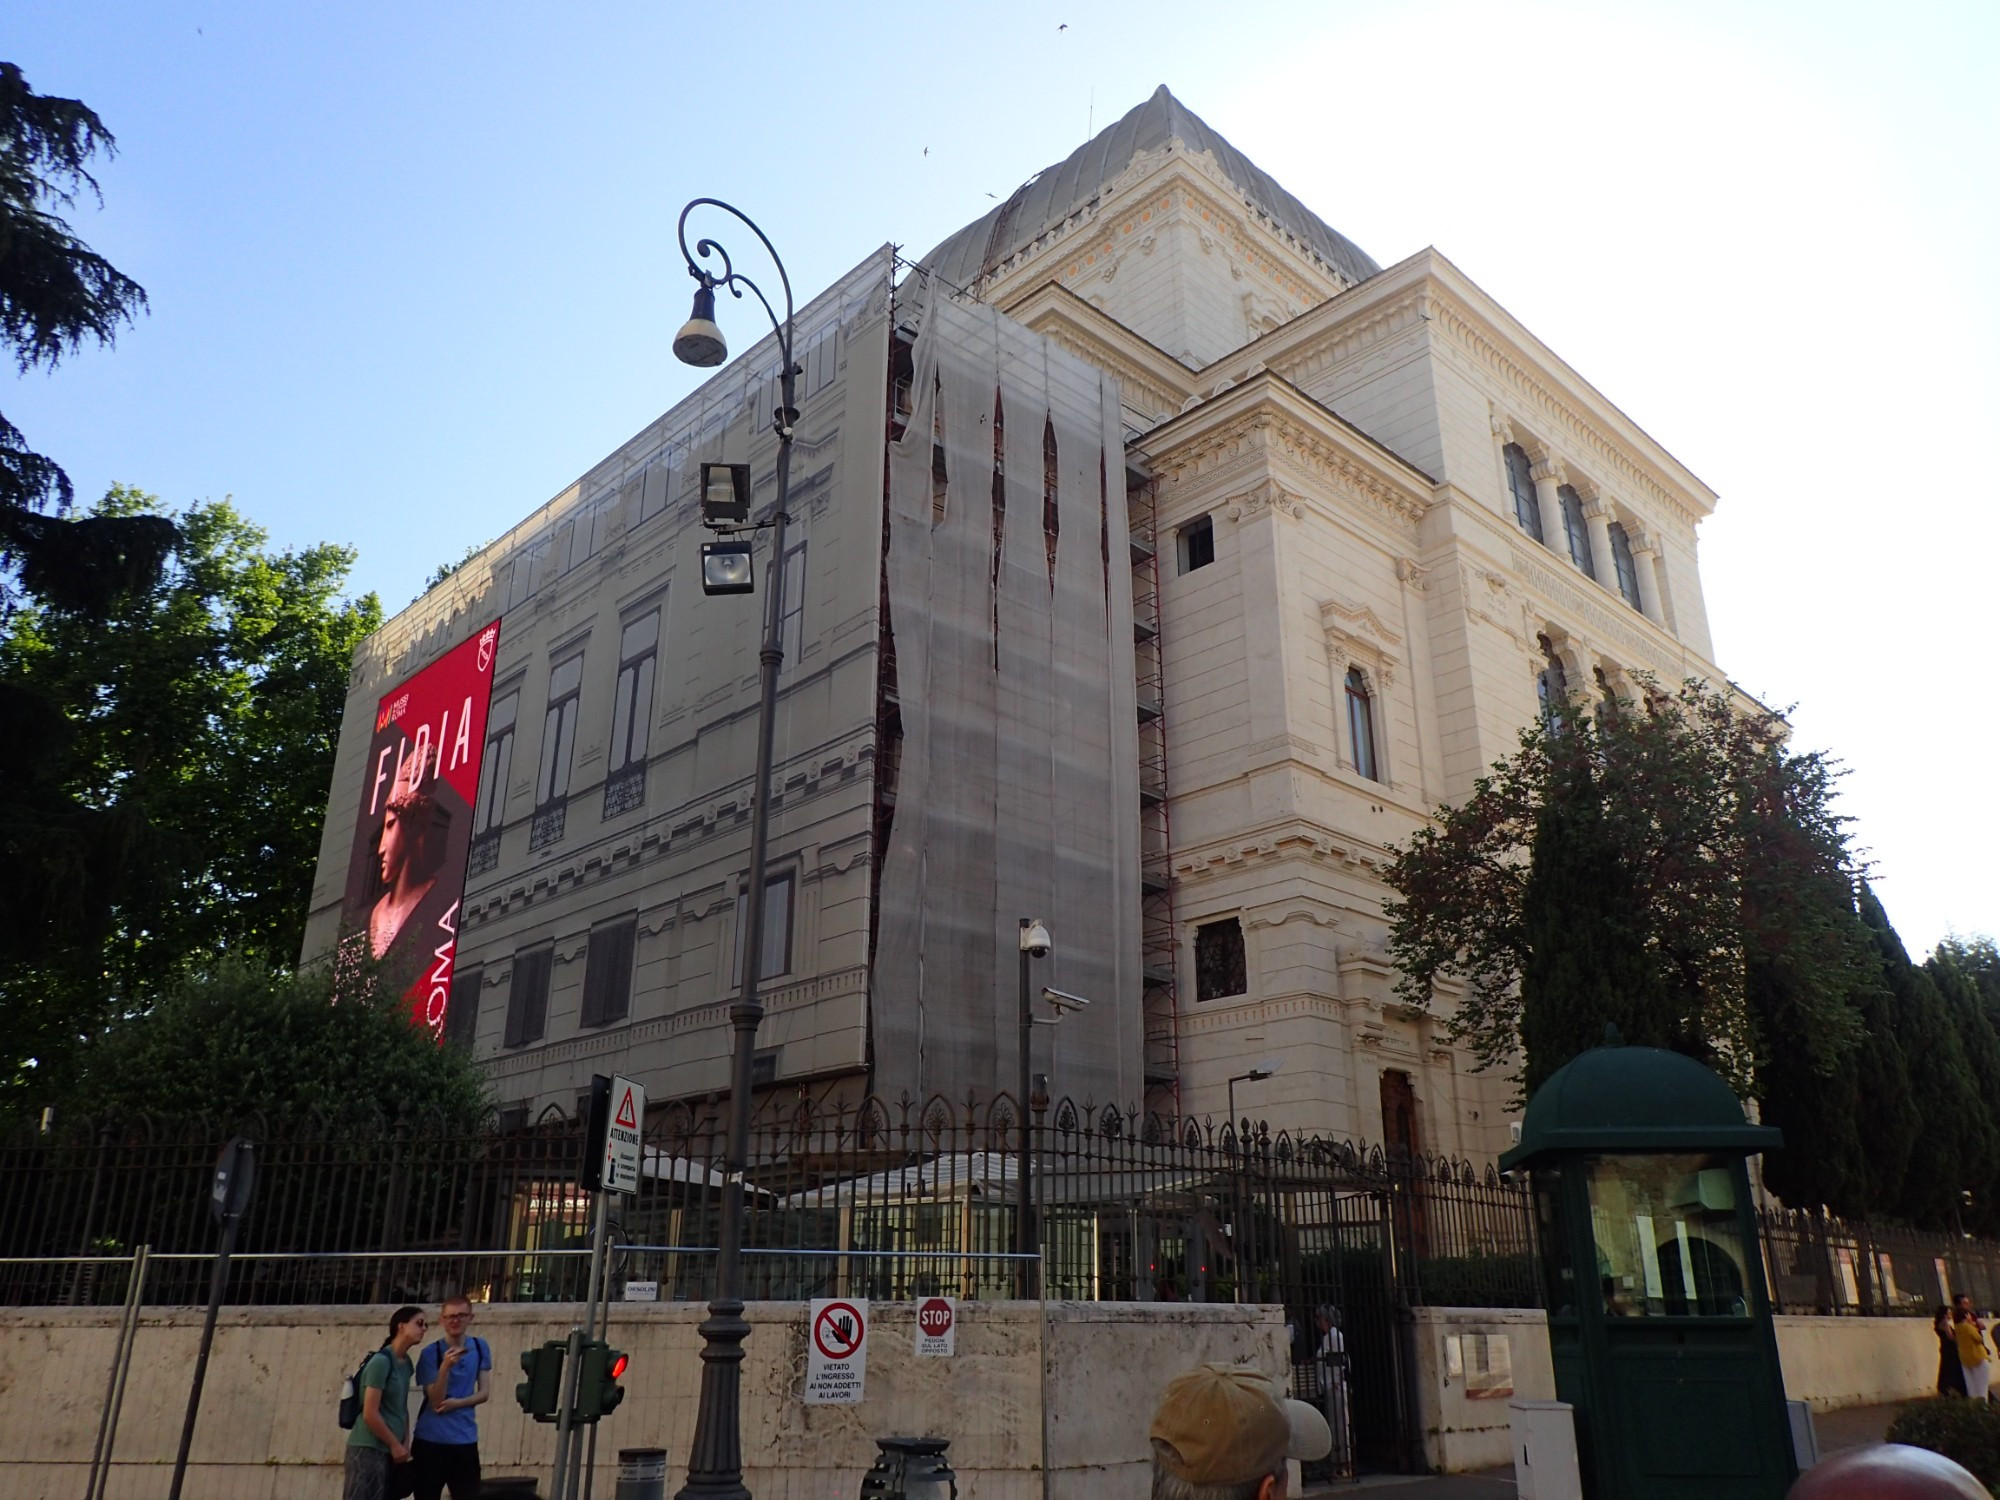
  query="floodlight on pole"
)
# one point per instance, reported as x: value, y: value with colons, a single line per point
x: 725, y: 495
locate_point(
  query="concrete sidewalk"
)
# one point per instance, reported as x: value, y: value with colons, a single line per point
x: 1856, y: 1427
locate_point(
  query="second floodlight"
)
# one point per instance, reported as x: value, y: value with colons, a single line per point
x: 725, y: 567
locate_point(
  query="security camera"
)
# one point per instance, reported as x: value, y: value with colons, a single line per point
x: 1034, y: 939
x: 1061, y: 1000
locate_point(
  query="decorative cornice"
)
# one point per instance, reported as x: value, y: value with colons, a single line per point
x: 1268, y: 429
x: 1155, y: 184
x: 1558, y: 414
x: 710, y: 1016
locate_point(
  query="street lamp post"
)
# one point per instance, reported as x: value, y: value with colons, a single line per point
x: 1257, y: 1074
x: 715, y: 1458
x: 1034, y: 944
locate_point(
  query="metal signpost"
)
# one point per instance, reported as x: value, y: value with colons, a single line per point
x: 613, y: 1147
x: 229, y: 1196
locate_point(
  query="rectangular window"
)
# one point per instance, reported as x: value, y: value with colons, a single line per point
x: 1625, y: 564
x: 607, y: 972
x: 461, y: 1019
x: 792, y: 629
x: 1196, y: 544
x: 632, y: 703
x: 1361, y: 723
x: 559, y: 731
x: 528, y: 996
x: 1521, y: 480
x: 1576, y: 530
x: 777, y: 928
x: 1219, y: 967
x: 497, y: 765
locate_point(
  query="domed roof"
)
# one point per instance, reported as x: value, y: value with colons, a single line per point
x: 1074, y: 183
x: 1635, y: 1099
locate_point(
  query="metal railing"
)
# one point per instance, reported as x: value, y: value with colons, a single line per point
x: 911, y: 1198
x: 1817, y: 1264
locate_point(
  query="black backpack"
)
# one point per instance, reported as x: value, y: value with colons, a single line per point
x: 350, y: 1392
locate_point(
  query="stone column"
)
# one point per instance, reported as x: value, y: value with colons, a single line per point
x: 1645, y: 550
x: 1597, y: 520
x: 1549, y: 473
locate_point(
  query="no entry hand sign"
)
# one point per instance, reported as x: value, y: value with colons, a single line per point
x: 837, y: 1351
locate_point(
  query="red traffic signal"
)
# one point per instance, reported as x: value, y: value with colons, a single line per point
x: 618, y: 1363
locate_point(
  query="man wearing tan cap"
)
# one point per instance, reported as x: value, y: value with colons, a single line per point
x: 1223, y: 1432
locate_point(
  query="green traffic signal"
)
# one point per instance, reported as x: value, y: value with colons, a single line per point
x: 541, y: 1393
x: 598, y: 1391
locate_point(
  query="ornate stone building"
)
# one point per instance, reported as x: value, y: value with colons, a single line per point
x: 1373, y: 521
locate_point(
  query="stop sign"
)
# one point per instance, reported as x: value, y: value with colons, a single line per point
x: 936, y: 1327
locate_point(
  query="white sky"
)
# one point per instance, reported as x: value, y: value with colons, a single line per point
x: 413, y: 268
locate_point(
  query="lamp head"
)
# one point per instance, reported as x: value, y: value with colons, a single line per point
x: 700, y: 342
x: 1264, y: 1069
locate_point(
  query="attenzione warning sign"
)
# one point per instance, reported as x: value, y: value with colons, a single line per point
x: 837, y: 1351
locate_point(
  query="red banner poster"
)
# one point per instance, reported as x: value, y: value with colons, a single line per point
x: 406, y: 875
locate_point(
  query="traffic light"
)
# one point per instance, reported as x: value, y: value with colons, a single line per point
x: 597, y: 1390
x: 541, y: 1393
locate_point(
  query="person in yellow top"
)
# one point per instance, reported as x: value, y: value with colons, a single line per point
x: 1972, y: 1352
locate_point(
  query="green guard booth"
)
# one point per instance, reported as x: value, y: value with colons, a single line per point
x: 1659, y: 1323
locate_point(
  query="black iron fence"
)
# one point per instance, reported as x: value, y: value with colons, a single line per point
x: 885, y: 1200
x: 1819, y: 1264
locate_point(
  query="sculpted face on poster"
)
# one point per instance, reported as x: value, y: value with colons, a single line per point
x: 406, y: 874
x: 836, y: 1351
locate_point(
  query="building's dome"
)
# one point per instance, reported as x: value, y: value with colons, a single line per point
x: 1054, y: 193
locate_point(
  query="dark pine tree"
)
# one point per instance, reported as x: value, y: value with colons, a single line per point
x: 1587, y: 964
x: 1979, y: 1207
x: 1951, y: 1135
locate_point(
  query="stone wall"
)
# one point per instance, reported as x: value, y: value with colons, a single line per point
x: 267, y: 1429
x: 1829, y: 1362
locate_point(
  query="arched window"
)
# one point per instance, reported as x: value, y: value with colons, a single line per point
x: 1551, y: 685
x: 1521, y: 480
x: 1575, y: 529
x: 1361, y: 724
x: 1625, y: 564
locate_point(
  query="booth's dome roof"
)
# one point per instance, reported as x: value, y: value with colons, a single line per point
x: 1635, y: 1099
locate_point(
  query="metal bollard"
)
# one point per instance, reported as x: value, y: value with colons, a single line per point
x: 642, y: 1474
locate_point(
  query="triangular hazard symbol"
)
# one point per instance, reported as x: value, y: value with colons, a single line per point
x: 626, y: 1115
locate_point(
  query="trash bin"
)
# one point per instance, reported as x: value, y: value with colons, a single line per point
x: 642, y: 1474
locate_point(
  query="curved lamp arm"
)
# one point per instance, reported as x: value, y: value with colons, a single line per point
x: 733, y: 279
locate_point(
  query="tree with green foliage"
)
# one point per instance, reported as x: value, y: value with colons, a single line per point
x: 1583, y: 932
x: 1710, y: 842
x: 240, y: 1043
x: 56, y: 295
x: 171, y: 814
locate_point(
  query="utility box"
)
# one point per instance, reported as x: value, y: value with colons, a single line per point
x: 1545, y: 1465
x: 1660, y: 1328
x: 1805, y: 1436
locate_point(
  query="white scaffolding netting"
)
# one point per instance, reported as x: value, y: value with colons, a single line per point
x: 1017, y: 792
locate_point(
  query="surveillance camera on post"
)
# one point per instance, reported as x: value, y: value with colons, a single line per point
x: 1034, y: 939
x: 1062, y: 1001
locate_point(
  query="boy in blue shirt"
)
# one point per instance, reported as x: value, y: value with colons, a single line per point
x: 456, y: 1376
